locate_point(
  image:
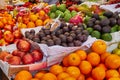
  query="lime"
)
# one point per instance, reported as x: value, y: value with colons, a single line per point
x: 96, y: 34
x: 106, y: 37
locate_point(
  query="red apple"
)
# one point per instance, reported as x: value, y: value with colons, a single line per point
x: 23, y: 45
x: 14, y: 60
x: 3, y: 42
x: 8, y: 27
x: 18, y: 53
x: 27, y: 59
x: 8, y: 36
x: 7, y: 57
x: 3, y: 54
x: 37, y: 55
x: 17, y: 34
x: 16, y: 41
x: 1, y: 33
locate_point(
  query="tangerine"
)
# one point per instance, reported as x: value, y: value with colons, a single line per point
x: 30, y: 25
x: 104, y: 56
x: 69, y: 78
x: 62, y: 75
x: 38, y: 22
x: 98, y: 73
x: 99, y: 46
x: 74, y: 59
x: 112, y: 73
x: 85, y: 67
x: 49, y: 76
x: 65, y: 61
x: 23, y: 75
x: 112, y: 61
x: 73, y: 71
x: 56, y: 69
x: 82, y: 54
x: 93, y: 58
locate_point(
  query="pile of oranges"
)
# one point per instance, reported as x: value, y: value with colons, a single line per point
x: 98, y: 64
x: 33, y: 20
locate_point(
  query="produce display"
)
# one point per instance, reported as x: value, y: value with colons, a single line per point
x: 67, y: 35
x: 39, y: 41
x: 100, y: 26
x: 98, y: 64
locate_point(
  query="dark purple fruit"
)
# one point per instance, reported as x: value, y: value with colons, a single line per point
x: 44, y: 38
x: 36, y: 39
x: 74, y: 28
x: 57, y: 41
x: 70, y: 26
x: 85, y: 32
x: 113, y: 21
x: 66, y: 34
x: 97, y: 22
x: 47, y: 32
x: 73, y: 35
x: 108, y: 14
x: 59, y: 32
x: 78, y: 36
x: 77, y: 43
x: 27, y: 33
x: 96, y: 16
x: 43, y: 42
x: 97, y: 27
x: 48, y: 36
x: 84, y: 38
x: 90, y: 24
x: 78, y: 31
x: 69, y: 39
x: 41, y: 34
x: 104, y: 22
x: 50, y: 42
x: 32, y: 31
x: 65, y: 29
x: 30, y: 37
x: 93, y: 19
x: 118, y: 21
x: 70, y: 44
x: 63, y: 38
x: 106, y: 29
x: 64, y: 44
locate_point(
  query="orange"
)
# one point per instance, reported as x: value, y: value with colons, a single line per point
x: 112, y: 61
x: 85, y: 67
x: 112, y: 73
x: 99, y: 46
x: 23, y: 75
x: 93, y: 58
x: 73, y: 71
x: 102, y: 66
x: 34, y: 79
x: 49, y: 76
x: 119, y: 70
x: 69, y: 78
x: 89, y: 78
x: 22, y: 25
x: 62, y: 75
x: 98, y: 73
x: 33, y: 17
x: 64, y: 68
x: 104, y: 56
x: 65, y: 61
x: 74, y: 59
x: 56, y: 69
x: 1, y: 25
x: 114, y: 78
x: 4, y: 21
x: 81, y: 77
x: 38, y: 22
x: 39, y: 75
x: 82, y: 54
x: 46, y: 21
x: 41, y: 13
x: 30, y: 25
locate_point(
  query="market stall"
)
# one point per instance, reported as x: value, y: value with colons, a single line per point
x: 42, y: 41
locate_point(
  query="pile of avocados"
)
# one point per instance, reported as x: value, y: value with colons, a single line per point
x: 100, y: 26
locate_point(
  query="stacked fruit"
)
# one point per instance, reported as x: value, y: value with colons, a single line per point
x: 67, y: 35
x: 81, y: 65
x: 8, y: 32
x: 22, y: 55
x: 61, y: 10
x: 32, y: 20
x: 100, y: 26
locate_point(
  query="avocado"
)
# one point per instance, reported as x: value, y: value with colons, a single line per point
x: 53, y: 8
x: 62, y: 7
x: 96, y: 34
x: 106, y: 37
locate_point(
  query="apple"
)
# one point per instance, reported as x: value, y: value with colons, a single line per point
x: 7, y: 57
x: 3, y: 54
x: 27, y: 59
x: 14, y: 60
x: 3, y: 42
x: 8, y: 27
x: 46, y: 9
x: 17, y: 34
x: 18, y: 53
x: 8, y: 36
x: 37, y: 55
x: 16, y: 41
x: 23, y: 45
x: 1, y: 33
